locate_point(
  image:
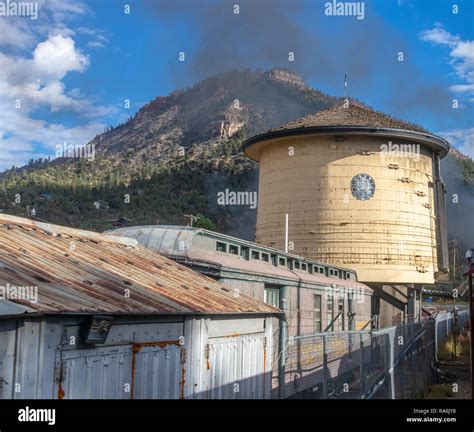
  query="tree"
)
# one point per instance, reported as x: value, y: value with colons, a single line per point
x: 202, y: 221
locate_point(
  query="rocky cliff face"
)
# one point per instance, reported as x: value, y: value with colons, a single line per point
x: 454, y: 152
x: 212, y: 112
x: 286, y: 76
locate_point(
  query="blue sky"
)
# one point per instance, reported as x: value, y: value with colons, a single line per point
x: 65, y: 75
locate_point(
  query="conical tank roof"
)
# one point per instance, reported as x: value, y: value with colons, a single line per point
x: 352, y: 119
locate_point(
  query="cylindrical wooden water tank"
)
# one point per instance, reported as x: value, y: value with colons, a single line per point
x: 353, y: 197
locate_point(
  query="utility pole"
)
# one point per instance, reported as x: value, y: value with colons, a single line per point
x: 190, y: 218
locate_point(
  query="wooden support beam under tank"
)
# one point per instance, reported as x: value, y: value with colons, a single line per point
x: 384, y: 295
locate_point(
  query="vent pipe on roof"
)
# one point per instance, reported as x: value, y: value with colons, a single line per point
x: 286, y: 233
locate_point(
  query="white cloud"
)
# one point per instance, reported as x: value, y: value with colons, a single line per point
x: 41, y: 53
x: 19, y: 33
x: 57, y: 56
x: 19, y: 131
x: 62, y: 10
x: 97, y: 38
x: 404, y: 2
x: 15, y: 32
x: 461, y: 56
x: 439, y: 36
x: 95, y: 44
x: 462, y: 88
x: 38, y: 81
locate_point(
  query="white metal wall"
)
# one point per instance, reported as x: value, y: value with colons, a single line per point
x: 236, y: 367
x: 97, y: 373
x: 120, y: 372
x: 223, y: 357
x: 158, y: 373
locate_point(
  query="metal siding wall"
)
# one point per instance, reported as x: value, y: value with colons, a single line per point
x: 222, y: 371
x: 26, y: 370
x: 195, y: 335
x: 106, y: 373
x: 97, y: 373
x: 158, y: 373
x: 27, y: 358
x: 237, y: 367
x: 8, y: 333
x: 37, y: 356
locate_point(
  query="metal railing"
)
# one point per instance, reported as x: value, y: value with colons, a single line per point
x: 394, y: 362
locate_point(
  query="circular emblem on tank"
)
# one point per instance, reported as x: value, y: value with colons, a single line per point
x: 362, y: 186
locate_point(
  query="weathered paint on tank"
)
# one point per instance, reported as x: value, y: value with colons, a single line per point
x: 389, y: 238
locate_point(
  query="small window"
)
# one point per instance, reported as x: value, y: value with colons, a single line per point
x: 221, y: 247
x: 321, y: 270
x: 265, y: 257
x: 255, y: 255
x: 310, y: 268
x: 233, y: 249
x: 282, y: 261
x: 350, y: 276
x: 304, y: 267
x: 274, y: 260
x: 289, y: 264
x: 272, y: 297
x: 244, y: 252
x: 297, y: 265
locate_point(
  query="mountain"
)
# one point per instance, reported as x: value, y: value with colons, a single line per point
x: 170, y: 159
x: 213, y: 111
x: 177, y: 152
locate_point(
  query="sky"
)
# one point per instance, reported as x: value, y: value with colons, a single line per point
x: 78, y: 67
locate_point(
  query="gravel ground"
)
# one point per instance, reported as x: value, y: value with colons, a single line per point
x: 457, y: 372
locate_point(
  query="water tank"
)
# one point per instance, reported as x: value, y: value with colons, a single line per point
x: 361, y: 190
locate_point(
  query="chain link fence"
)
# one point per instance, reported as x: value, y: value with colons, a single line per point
x: 392, y: 363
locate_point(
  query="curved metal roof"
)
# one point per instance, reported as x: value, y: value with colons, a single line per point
x: 353, y: 120
x: 167, y: 240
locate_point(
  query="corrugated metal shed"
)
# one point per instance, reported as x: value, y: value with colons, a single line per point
x: 84, y: 272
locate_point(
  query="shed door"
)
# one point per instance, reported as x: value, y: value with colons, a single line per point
x: 121, y: 372
x: 235, y: 367
x: 158, y: 372
x: 96, y: 373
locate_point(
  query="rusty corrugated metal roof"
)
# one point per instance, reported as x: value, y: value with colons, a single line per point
x: 85, y: 272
